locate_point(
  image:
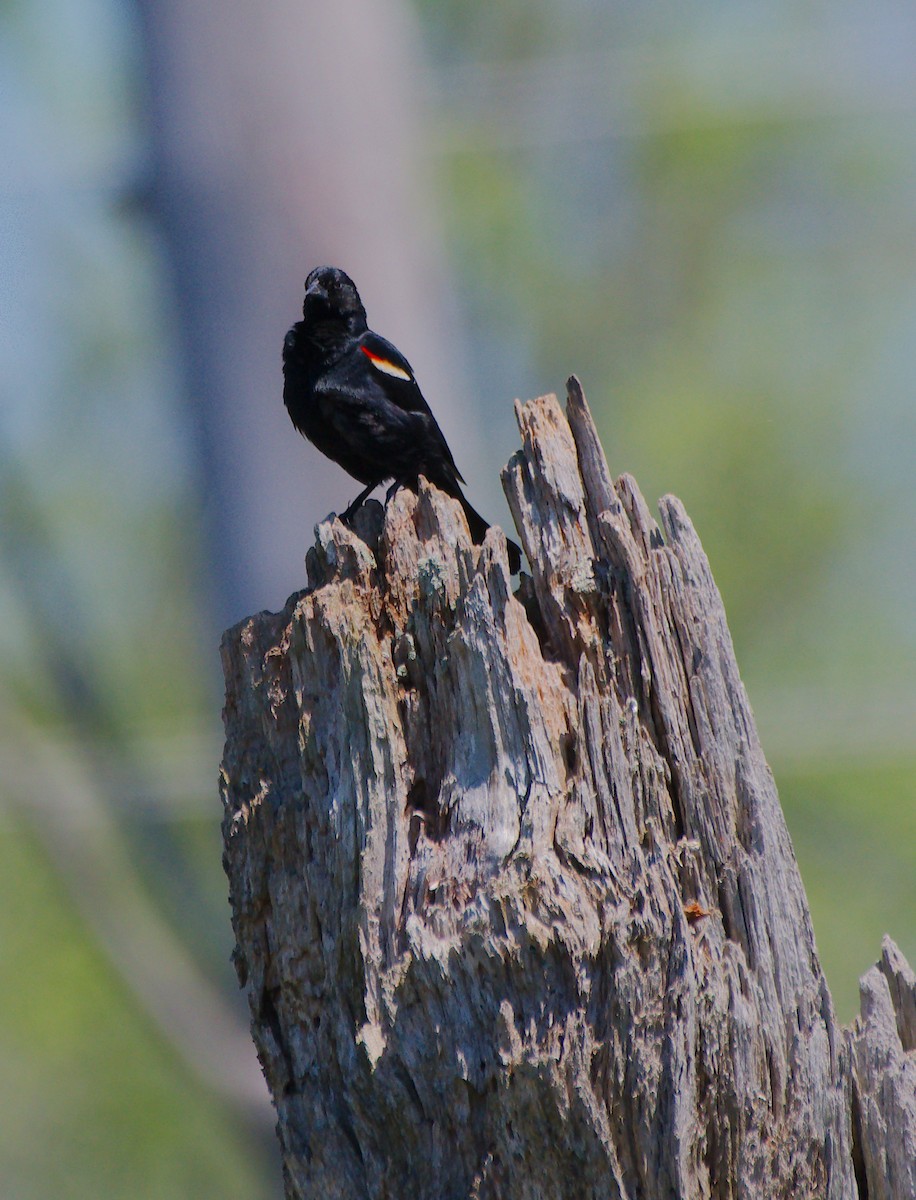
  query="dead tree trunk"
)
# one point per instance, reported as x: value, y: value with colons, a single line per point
x: 515, y: 903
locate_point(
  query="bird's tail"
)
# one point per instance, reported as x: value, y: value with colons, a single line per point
x: 478, y: 527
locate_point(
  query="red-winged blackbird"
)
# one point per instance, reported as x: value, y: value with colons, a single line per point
x: 354, y: 396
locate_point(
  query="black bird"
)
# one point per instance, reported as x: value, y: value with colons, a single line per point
x: 354, y: 396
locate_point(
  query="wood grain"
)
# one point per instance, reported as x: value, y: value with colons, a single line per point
x: 516, y: 907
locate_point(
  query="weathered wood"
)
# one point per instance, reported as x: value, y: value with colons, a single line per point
x: 515, y: 903
x: 883, y: 1045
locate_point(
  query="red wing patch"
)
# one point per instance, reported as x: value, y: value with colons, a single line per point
x: 386, y: 366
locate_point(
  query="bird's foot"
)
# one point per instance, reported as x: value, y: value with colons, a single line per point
x: 395, y: 487
x: 409, y: 481
x: 350, y: 511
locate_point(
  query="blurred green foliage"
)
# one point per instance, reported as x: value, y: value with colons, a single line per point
x: 854, y: 831
x: 92, y: 1102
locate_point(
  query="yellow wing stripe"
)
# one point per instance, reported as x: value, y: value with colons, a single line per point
x: 388, y: 368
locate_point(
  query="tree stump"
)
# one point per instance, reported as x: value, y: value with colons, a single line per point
x: 516, y: 907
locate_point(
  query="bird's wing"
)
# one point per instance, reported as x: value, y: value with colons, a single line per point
x: 396, y: 376
x: 393, y: 371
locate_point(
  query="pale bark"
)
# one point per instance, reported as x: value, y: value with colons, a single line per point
x: 287, y: 135
x: 516, y: 906
x: 883, y: 1044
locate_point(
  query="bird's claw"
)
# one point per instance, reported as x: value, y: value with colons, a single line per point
x: 351, y: 510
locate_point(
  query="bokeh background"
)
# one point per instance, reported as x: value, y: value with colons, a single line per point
x: 707, y: 211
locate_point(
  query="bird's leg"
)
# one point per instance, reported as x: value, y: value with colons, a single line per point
x: 398, y: 483
x: 406, y: 481
x: 348, y: 514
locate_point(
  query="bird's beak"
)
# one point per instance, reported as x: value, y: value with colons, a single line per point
x: 316, y: 291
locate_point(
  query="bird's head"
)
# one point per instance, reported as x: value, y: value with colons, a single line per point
x: 331, y: 296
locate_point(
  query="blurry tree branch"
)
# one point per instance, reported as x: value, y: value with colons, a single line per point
x: 516, y: 907
x: 88, y: 721
x: 91, y: 859
x: 62, y: 784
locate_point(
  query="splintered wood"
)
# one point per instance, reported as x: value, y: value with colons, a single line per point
x: 516, y: 908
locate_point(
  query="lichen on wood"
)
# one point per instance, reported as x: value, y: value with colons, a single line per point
x: 515, y: 904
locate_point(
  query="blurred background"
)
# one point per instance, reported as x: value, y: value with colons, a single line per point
x: 708, y: 213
